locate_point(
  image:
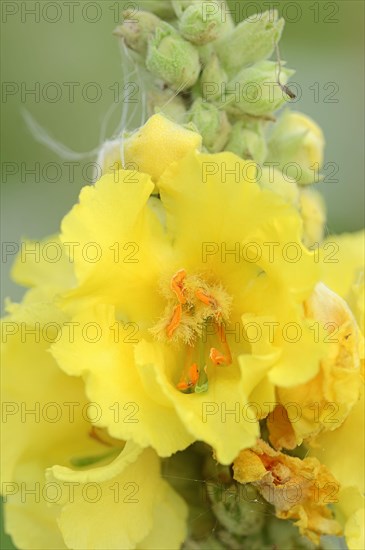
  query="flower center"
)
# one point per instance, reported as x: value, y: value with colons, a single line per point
x: 196, y: 312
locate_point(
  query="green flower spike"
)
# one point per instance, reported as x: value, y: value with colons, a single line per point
x: 200, y: 26
x: 162, y: 8
x: 136, y: 29
x: 252, y: 40
x: 166, y: 101
x: 172, y: 59
x: 255, y: 91
x: 213, y: 79
x: 211, y: 123
x: 247, y: 140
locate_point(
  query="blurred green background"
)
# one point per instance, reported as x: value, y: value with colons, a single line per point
x: 323, y: 41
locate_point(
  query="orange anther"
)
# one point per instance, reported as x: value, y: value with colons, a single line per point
x: 182, y: 385
x: 205, y: 298
x: 175, y: 321
x: 193, y: 373
x: 177, y: 285
x: 192, y: 378
x: 218, y: 358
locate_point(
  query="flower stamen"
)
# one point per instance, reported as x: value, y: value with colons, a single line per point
x: 177, y: 285
x: 217, y: 357
x: 206, y: 298
x: 189, y: 381
x: 175, y: 320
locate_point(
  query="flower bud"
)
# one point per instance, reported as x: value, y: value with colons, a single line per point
x: 274, y: 181
x: 211, y: 123
x: 213, y: 79
x: 136, y: 29
x: 199, y: 27
x: 167, y: 103
x: 247, y: 140
x: 297, y: 142
x: 161, y: 8
x: 157, y: 144
x: 179, y: 6
x: 252, y: 40
x: 210, y: 10
x: 236, y: 514
x: 172, y: 58
x: 313, y: 211
x: 256, y: 91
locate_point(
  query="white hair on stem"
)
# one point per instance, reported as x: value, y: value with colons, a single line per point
x: 41, y: 135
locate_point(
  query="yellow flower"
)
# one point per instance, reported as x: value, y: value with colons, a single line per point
x: 343, y: 269
x: 327, y: 355
x: 327, y: 405
x: 342, y: 452
x: 298, y: 489
x: 92, y: 480
x: 324, y: 402
x: 164, y: 287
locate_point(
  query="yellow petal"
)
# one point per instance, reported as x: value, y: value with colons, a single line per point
x: 343, y: 258
x: 115, y: 506
x: 119, y: 245
x: 131, y: 407
x: 43, y: 262
x: 220, y: 417
x: 159, y: 143
x: 169, y: 527
x: 43, y: 421
x: 221, y: 220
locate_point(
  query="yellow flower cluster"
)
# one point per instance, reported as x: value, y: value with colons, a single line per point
x: 187, y: 316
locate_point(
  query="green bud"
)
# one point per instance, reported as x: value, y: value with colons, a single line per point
x: 285, y: 535
x: 136, y: 29
x: 297, y: 143
x: 255, y: 90
x: 252, y: 40
x: 172, y: 58
x: 212, y: 124
x: 166, y: 102
x: 210, y: 543
x: 247, y: 140
x: 162, y: 8
x: 179, y: 6
x: 207, y: 10
x: 213, y: 78
x: 212, y: 470
x: 199, y: 27
x: 236, y: 513
x: 256, y: 542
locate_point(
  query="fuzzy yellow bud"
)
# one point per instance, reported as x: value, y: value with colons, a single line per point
x: 297, y: 143
x: 157, y: 144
